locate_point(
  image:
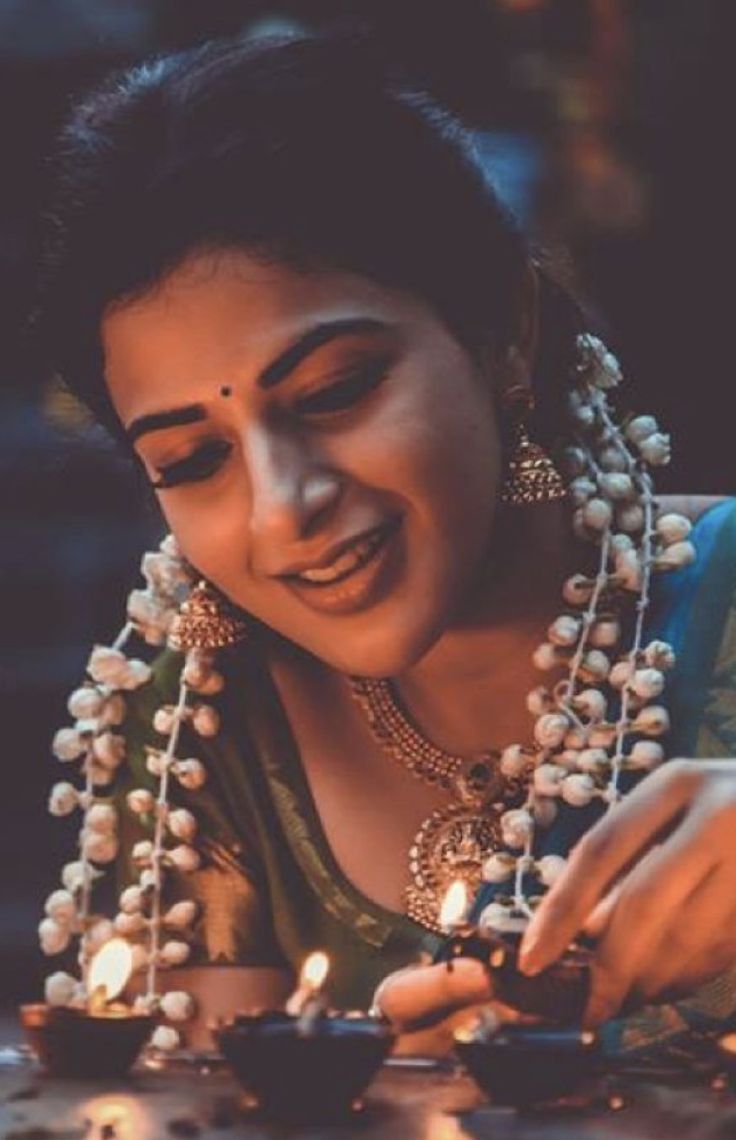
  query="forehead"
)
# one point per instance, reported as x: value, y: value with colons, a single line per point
x: 221, y: 317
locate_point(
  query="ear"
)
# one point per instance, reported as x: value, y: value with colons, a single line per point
x: 516, y: 365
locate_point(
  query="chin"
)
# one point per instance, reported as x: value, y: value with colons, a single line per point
x: 384, y: 652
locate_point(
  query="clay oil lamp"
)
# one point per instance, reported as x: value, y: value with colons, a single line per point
x: 528, y: 1065
x: 305, y: 1061
x: 99, y: 1038
x: 520, y: 1064
x: 558, y: 994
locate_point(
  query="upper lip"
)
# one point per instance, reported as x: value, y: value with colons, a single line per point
x: 330, y: 555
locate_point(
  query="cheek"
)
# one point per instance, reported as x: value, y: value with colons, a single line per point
x: 437, y: 446
x: 210, y: 532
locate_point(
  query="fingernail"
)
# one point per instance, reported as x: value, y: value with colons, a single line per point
x: 528, y: 961
x: 529, y: 966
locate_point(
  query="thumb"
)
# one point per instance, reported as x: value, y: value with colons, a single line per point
x: 419, y: 996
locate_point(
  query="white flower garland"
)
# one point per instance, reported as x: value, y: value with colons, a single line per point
x: 159, y: 935
x: 580, y: 753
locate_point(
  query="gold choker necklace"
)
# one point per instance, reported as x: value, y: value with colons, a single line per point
x: 454, y: 841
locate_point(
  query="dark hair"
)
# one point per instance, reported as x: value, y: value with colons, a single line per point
x: 303, y: 151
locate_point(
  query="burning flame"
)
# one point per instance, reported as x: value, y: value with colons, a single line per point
x: 454, y: 905
x: 311, y: 979
x: 110, y: 969
x: 314, y: 971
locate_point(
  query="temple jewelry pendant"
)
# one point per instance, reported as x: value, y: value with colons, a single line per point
x: 452, y: 843
x: 455, y: 841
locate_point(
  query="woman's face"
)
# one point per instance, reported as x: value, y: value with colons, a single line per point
x: 325, y: 451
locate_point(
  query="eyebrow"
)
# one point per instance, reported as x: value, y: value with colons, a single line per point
x: 157, y: 421
x: 269, y: 377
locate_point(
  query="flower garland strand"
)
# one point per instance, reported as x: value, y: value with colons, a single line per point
x: 99, y: 706
x: 581, y: 755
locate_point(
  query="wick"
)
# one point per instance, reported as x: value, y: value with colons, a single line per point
x: 97, y: 999
x: 310, y: 1015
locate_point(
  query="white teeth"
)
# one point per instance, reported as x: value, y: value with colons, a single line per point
x: 343, y: 565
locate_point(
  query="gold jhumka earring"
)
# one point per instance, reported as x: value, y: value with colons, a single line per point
x: 531, y: 476
x: 206, y: 620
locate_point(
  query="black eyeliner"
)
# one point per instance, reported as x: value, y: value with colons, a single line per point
x: 199, y: 465
x: 352, y: 386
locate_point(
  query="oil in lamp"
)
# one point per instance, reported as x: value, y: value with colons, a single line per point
x: 100, y: 1038
x: 305, y: 1061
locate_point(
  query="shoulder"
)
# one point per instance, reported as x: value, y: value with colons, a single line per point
x: 709, y: 578
x: 692, y: 506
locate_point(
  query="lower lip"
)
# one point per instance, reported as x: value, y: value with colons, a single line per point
x: 360, y: 589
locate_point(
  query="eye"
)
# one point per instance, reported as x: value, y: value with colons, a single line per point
x: 343, y: 393
x: 202, y: 463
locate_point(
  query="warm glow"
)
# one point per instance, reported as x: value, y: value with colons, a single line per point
x: 110, y: 969
x: 125, y: 1117
x: 454, y: 905
x: 314, y: 971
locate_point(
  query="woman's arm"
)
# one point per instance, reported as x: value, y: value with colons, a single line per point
x: 655, y: 876
x: 653, y: 880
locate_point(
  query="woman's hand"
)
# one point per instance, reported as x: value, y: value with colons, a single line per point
x: 421, y: 996
x: 655, y: 881
x: 426, y: 1004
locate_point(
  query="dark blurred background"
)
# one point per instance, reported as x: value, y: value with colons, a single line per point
x: 604, y: 124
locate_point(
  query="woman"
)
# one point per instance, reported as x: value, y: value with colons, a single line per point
x: 282, y: 280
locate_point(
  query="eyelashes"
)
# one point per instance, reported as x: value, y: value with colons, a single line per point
x: 343, y: 393
x: 340, y: 396
x: 199, y: 465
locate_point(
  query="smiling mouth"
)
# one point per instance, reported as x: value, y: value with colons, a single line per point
x: 358, y: 555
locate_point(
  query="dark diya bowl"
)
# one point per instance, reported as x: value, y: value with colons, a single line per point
x: 75, y: 1043
x: 293, y: 1072
x: 558, y: 994
x: 525, y: 1066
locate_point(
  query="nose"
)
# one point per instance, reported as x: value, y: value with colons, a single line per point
x: 292, y: 492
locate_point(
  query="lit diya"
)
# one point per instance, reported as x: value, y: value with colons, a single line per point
x: 517, y: 1064
x: 100, y: 1038
x: 524, y: 1065
x: 558, y: 994
x: 305, y: 1061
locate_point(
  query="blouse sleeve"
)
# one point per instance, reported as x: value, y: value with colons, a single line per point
x: 234, y: 924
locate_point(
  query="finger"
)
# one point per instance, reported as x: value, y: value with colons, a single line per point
x: 697, y: 945
x: 685, y: 983
x: 601, y: 855
x: 423, y: 995
x: 652, y: 899
x: 600, y: 916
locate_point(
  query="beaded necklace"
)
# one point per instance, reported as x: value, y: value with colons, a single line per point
x: 454, y: 841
